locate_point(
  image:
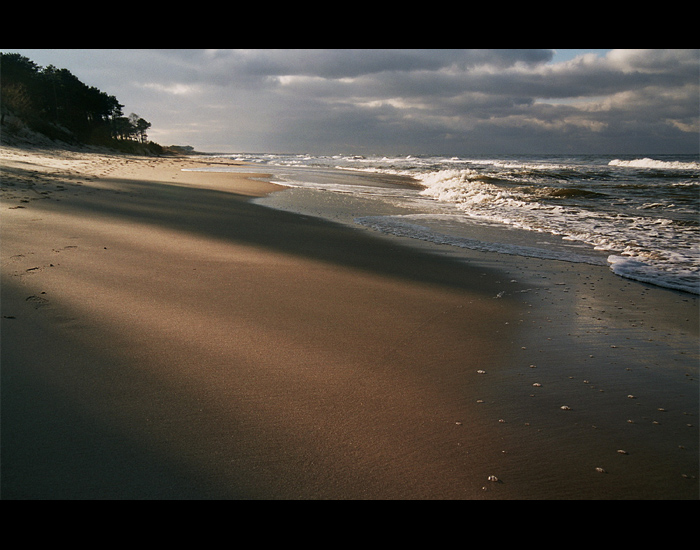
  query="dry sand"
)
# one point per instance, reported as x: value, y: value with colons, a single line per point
x: 165, y: 338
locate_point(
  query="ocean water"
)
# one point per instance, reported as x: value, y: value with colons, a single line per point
x: 640, y: 215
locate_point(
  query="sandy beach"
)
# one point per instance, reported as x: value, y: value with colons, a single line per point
x: 163, y: 337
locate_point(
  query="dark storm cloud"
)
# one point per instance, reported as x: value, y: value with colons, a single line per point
x: 334, y: 64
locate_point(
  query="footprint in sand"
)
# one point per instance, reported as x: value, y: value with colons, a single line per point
x: 37, y: 301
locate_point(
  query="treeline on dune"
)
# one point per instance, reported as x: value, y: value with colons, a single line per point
x: 54, y: 104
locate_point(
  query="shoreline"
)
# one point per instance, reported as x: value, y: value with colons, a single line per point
x: 165, y: 337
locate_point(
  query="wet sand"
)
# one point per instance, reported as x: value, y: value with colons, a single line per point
x: 163, y: 337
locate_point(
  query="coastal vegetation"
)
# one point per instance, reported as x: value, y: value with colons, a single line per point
x: 55, y: 104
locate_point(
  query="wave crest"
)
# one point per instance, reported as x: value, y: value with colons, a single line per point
x: 658, y: 164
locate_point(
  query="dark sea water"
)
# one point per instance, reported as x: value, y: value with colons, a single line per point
x: 638, y: 214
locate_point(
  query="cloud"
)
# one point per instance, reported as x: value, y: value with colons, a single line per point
x: 336, y: 64
x: 173, y: 89
x: 413, y: 101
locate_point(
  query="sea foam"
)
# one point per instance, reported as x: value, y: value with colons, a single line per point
x: 641, y: 213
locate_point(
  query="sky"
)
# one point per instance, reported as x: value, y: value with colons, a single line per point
x: 389, y: 102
